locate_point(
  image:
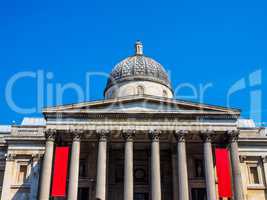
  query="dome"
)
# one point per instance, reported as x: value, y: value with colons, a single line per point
x: 138, y: 68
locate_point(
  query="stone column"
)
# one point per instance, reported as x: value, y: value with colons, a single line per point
x: 47, y: 165
x: 128, y: 164
x: 182, y: 165
x: 35, y: 171
x: 74, y: 166
x: 101, y: 165
x: 8, y: 177
x: 264, y: 161
x: 155, y: 165
x: 236, y: 172
x: 208, y: 163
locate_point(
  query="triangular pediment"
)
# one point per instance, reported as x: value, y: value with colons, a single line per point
x: 140, y: 104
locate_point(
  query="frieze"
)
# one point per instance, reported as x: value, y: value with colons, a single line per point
x: 218, y: 117
x: 197, y: 116
x: 90, y: 129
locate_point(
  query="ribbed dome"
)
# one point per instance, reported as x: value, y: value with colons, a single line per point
x: 138, y: 67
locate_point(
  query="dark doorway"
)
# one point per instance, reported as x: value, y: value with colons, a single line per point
x: 199, y: 194
x: 83, y: 194
x: 140, y: 196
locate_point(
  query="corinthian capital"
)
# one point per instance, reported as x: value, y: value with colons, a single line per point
x: 50, y: 134
x: 233, y: 135
x: 76, y: 134
x: 103, y: 134
x: 180, y: 135
x: 129, y: 134
x: 264, y: 159
x: 155, y: 135
x: 207, y: 135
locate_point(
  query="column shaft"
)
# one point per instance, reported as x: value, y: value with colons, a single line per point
x: 183, y: 192
x: 47, y: 168
x: 128, y: 171
x: 35, y: 177
x: 264, y: 160
x: 155, y: 166
x: 101, y: 166
x: 8, y: 177
x: 74, y: 168
x: 236, y: 172
x: 209, y: 170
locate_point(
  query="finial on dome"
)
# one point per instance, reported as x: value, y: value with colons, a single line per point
x: 138, y: 48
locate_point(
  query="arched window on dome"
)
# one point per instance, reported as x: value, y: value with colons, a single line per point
x: 140, y: 90
x: 165, y: 94
x: 111, y: 94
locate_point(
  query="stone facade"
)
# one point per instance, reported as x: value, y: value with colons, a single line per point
x: 143, y: 145
x: 23, y: 148
x: 23, y: 151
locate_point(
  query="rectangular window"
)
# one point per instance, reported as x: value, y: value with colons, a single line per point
x: 22, y: 173
x: 254, y: 175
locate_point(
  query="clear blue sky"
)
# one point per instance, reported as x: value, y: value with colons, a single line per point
x: 199, y: 42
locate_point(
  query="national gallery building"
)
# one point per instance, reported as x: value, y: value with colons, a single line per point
x: 138, y: 143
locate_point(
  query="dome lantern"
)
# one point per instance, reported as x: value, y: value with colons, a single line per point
x: 138, y: 48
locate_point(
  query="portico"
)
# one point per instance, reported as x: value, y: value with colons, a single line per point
x: 141, y: 178
x: 139, y: 143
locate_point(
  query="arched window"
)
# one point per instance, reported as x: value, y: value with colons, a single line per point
x: 165, y: 94
x: 111, y: 93
x: 140, y: 90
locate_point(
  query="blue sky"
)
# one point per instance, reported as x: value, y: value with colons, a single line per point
x: 198, y: 42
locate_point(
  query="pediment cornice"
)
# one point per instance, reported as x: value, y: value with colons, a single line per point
x: 144, y: 105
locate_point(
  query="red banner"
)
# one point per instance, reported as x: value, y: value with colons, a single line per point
x: 60, y: 172
x: 223, y: 172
